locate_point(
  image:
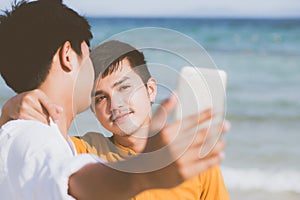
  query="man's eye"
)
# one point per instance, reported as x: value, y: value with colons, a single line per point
x: 124, y: 87
x: 98, y: 99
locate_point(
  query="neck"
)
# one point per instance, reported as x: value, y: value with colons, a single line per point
x: 65, y: 118
x: 136, y: 141
x: 61, y: 98
x: 64, y: 123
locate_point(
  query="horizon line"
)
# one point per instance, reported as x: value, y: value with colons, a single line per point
x: 196, y: 17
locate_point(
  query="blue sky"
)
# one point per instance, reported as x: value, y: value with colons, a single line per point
x: 184, y: 8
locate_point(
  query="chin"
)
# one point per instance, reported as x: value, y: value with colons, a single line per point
x: 124, y: 132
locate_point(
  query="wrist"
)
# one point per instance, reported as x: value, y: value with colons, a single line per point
x: 131, y: 171
x: 141, y: 182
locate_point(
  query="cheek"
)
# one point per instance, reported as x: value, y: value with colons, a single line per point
x: 100, y: 114
x: 86, y: 78
x: 140, y: 101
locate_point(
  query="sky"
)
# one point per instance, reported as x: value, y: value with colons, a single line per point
x: 184, y: 8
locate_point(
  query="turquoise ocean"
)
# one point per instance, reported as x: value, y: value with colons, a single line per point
x: 262, y: 61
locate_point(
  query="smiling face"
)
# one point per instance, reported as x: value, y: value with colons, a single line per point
x: 123, y: 102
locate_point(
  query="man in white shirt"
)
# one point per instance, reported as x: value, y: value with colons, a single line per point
x: 45, y: 45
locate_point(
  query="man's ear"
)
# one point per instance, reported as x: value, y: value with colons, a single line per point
x: 65, y: 56
x: 152, y: 89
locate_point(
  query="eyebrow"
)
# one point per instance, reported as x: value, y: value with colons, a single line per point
x: 125, y: 78
x: 98, y: 92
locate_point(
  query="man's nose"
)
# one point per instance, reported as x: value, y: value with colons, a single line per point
x: 116, y: 102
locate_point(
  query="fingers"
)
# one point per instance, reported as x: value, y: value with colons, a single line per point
x: 218, y: 148
x: 206, y: 135
x: 196, y: 119
x: 12, y: 108
x: 204, y: 164
x: 226, y: 126
x: 50, y: 108
x: 166, y: 108
x: 188, y: 126
x: 29, y: 107
x: 192, y: 165
x: 32, y: 105
x: 212, y: 137
x: 204, y: 140
x: 30, y: 113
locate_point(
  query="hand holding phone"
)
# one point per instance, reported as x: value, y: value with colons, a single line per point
x: 200, y: 89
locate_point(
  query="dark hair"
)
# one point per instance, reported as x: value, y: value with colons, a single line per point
x: 30, y: 35
x: 106, y: 59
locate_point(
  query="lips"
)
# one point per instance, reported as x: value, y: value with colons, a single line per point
x: 115, y: 118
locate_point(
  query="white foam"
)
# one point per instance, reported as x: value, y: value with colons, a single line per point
x: 259, y: 179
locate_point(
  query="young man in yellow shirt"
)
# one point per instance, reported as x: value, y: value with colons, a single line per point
x: 124, y: 92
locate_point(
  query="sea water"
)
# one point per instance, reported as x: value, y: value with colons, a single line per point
x: 262, y: 61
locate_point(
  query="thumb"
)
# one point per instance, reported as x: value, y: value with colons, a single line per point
x: 54, y: 111
x: 161, y: 115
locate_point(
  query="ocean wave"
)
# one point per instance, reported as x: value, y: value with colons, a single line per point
x: 263, y: 118
x: 258, y: 179
x: 247, y: 51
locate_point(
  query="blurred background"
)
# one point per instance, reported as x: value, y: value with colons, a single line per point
x: 258, y: 45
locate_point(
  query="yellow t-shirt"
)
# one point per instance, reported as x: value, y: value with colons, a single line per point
x: 209, y: 185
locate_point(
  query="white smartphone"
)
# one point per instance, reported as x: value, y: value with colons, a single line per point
x: 199, y: 89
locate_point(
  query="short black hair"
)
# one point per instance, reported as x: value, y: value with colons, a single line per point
x: 106, y: 59
x: 30, y: 35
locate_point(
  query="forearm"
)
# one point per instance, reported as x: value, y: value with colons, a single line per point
x: 98, y: 181
x: 125, y: 179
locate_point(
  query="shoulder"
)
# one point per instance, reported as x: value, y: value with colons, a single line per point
x: 21, y: 129
x: 28, y: 137
x: 94, y: 138
x: 214, y: 173
x: 19, y: 125
x: 212, y: 184
x: 91, y: 142
x: 94, y: 135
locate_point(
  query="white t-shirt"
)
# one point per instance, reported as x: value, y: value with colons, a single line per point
x: 36, y: 161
